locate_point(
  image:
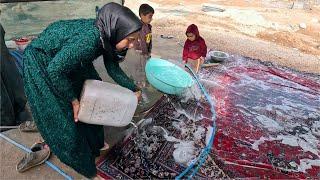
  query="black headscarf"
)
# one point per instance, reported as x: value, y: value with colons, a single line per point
x: 4, y: 50
x: 116, y: 22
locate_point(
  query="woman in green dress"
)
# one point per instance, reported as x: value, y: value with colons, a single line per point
x: 55, y: 67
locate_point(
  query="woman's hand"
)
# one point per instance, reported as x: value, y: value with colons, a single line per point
x: 75, y: 107
x: 138, y: 94
x: 140, y: 85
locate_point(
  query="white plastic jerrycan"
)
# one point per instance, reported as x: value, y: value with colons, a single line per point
x: 106, y: 104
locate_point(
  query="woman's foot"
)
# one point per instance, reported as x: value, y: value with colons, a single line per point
x: 105, y: 147
x: 103, y: 152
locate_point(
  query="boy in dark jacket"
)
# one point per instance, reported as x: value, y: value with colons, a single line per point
x: 144, y: 42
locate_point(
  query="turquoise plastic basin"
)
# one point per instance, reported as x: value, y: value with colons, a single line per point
x: 167, y: 77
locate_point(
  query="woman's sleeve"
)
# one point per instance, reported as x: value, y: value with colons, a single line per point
x: 116, y: 73
x: 66, y: 60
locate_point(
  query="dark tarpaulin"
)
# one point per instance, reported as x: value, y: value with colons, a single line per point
x: 13, y: 98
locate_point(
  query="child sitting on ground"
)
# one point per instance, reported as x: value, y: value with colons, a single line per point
x: 195, y: 48
x: 144, y: 42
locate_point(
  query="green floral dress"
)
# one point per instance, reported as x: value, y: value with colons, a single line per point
x: 55, y: 67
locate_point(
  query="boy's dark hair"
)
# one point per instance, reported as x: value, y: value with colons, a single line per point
x: 145, y: 9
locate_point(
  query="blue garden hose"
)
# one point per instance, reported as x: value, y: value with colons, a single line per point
x: 54, y: 167
x: 203, y: 155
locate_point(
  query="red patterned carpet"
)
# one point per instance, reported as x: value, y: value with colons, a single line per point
x: 268, y: 126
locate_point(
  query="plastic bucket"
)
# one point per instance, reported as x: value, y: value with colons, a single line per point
x: 218, y: 56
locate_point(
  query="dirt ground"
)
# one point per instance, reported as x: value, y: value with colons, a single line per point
x: 284, y: 32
